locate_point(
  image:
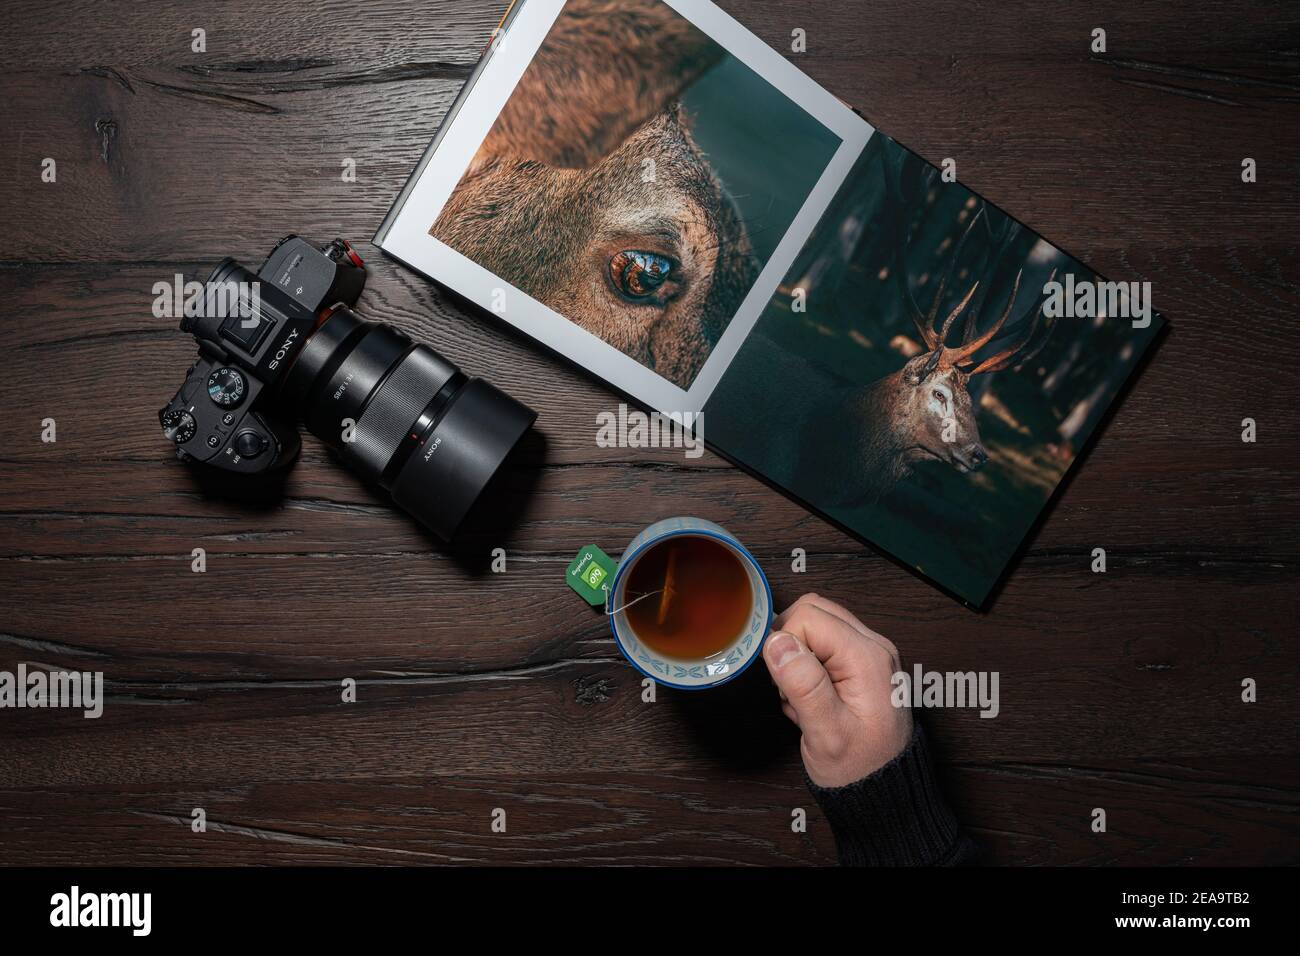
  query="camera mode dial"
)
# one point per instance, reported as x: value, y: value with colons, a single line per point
x: 226, y: 387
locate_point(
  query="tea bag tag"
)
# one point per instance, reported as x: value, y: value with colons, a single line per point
x: 590, y: 574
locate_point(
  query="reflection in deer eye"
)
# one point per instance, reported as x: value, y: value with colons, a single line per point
x: 638, y: 274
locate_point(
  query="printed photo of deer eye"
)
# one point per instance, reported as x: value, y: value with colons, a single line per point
x: 638, y: 275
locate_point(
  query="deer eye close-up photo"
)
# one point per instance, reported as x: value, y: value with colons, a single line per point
x: 640, y: 275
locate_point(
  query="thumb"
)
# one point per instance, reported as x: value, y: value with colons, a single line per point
x: 800, y: 676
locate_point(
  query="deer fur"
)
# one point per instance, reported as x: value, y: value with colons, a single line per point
x: 898, y: 421
x: 593, y: 157
x: 842, y: 444
x: 850, y: 443
x: 605, y: 68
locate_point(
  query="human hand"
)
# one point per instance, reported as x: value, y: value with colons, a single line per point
x: 835, y: 678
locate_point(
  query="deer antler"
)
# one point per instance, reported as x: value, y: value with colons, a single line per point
x: 894, y: 191
x: 1007, y: 356
x: 925, y: 321
x: 963, y: 356
x: 941, y: 354
x: 1009, y: 231
x: 963, y: 352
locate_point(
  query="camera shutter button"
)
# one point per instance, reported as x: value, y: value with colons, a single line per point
x: 249, y: 444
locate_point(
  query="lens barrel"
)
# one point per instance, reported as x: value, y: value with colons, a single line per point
x: 405, y: 417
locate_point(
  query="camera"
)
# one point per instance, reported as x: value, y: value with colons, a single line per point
x: 283, y: 346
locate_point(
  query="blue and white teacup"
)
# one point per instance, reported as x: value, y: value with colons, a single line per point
x: 699, y: 673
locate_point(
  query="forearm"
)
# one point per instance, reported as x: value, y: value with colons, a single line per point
x: 896, y: 816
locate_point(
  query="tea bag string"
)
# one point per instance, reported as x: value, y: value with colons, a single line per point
x: 667, y: 590
x: 629, y: 603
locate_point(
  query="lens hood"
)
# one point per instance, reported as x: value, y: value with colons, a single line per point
x: 452, y: 464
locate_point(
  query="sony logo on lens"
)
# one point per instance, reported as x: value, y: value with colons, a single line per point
x: 283, y: 350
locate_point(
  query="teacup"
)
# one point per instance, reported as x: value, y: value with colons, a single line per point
x: 690, y: 673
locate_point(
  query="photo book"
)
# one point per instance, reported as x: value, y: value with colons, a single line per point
x: 653, y: 193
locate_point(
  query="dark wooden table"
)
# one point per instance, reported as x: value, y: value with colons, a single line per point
x: 479, y: 691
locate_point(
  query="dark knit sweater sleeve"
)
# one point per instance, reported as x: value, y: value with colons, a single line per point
x: 895, y: 816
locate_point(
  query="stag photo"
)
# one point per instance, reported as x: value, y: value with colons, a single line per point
x: 637, y: 181
x: 906, y: 382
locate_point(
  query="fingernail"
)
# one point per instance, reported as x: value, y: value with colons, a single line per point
x: 781, y: 647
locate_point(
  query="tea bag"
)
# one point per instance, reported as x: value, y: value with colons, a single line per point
x: 666, y: 593
x: 670, y: 587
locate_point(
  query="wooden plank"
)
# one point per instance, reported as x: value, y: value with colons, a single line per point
x: 593, y: 819
x: 404, y: 624
x: 600, y: 818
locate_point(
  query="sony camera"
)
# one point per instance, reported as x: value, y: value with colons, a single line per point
x: 284, y: 346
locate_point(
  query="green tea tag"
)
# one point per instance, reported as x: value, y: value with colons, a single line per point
x: 591, y: 574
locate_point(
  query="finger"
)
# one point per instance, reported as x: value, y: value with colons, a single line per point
x: 808, y: 688
x: 841, y: 612
x: 837, y: 645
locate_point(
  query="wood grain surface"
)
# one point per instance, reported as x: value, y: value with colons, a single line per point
x: 479, y: 691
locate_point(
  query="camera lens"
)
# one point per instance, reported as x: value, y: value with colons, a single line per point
x: 404, y: 416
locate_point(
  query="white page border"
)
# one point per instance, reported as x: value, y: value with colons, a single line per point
x: 508, y: 56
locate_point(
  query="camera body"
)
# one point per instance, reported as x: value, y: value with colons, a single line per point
x: 250, y: 330
x: 283, y: 345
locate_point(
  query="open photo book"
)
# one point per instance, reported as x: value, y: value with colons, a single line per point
x: 652, y: 192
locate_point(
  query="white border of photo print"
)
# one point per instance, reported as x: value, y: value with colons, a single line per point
x: 408, y: 237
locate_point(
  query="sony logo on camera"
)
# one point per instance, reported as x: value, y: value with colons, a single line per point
x: 283, y: 350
